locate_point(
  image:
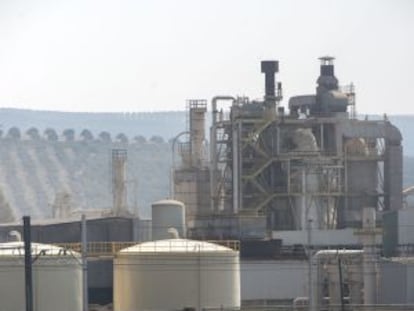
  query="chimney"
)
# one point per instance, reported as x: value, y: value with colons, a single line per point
x: 269, y: 68
x: 327, y: 80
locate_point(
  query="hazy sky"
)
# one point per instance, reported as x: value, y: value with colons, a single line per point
x: 139, y: 55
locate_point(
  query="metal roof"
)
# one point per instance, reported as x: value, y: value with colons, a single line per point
x: 17, y: 249
x: 176, y: 246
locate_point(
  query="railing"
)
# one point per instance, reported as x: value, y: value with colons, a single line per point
x: 110, y: 249
x: 98, y: 249
x: 346, y: 307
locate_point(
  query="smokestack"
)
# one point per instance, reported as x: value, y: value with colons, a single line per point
x: 119, y: 193
x: 327, y: 80
x: 269, y: 68
x: 198, y: 108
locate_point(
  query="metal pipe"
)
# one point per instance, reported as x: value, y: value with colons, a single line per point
x: 322, y: 137
x: 172, y: 173
x: 16, y: 234
x: 84, y: 264
x: 369, y: 256
x: 28, y: 263
x: 277, y: 140
x: 341, y: 289
x: 309, y: 236
x: 315, y: 299
x: 213, y: 147
x: 235, y: 168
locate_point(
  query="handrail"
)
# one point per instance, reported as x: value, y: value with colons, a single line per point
x: 110, y: 249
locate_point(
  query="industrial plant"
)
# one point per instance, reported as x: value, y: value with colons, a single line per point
x: 297, y: 207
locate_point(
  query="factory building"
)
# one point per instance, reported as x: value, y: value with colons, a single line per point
x: 270, y: 170
x: 311, y: 195
x: 301, y: 188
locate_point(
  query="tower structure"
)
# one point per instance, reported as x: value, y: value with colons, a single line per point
x: 119, y: 189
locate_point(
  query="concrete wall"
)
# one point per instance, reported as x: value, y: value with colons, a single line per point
x: 319, y: 237
x: 273, y: 279
x: 396, y: 282
x: 398, y: 232
x: 100, y: 229
x: 406, y: 226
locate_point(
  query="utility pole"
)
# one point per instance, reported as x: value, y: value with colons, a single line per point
x: 28, y: 263
x: 310, y: 253
x: 341, y: 288
x: 84, y: 264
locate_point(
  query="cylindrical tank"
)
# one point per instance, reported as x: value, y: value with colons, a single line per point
x: 362, y: 180
x: 57, y: 278
x: 175, y: 274
x: 167, y: 214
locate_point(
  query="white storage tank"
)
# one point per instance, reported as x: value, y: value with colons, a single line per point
x: 167, y: 214
x: 175, y: 274
x: 57, y: 278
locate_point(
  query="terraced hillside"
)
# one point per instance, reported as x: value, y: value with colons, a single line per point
x: 36, y: 170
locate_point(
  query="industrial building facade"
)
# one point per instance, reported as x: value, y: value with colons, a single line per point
x: 316, y: 165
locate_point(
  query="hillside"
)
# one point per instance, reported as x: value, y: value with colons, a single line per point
x: 164, y: 124
x: 39, y: 164
x: 34, y: 173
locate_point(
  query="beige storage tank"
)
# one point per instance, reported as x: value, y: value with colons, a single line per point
x: 175, y: 274
x: 57, y: 278
x: 167, y: 214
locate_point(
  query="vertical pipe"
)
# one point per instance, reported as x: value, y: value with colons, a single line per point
x: 314, y: 291
x: 277, y: 140
x: 310, y: 280
x: 322, y: 138
x: 213, y: 150
x: 343, y: 215
x: 172, y: 171
x: 288, y: 178
x: 84, y: 264
x: 341, y: 289
x: 199, y: 279
x: 369, y: 256
x: 235, y: 168
x: 28, y: 263
x: 304, y: 212
x: 213, y: 168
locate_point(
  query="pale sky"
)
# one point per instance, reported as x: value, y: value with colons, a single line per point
x: 152, y: 55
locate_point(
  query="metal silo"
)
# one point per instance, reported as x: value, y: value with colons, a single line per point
x: 175, y: 274
x: 57, y: 278
x: 167, y: 214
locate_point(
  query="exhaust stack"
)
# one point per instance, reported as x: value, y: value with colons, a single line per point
x: 327, y: 80
x: 270, y: 68
x: 272, y: 97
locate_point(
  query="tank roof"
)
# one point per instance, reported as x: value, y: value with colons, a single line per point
x: 168, y: 202
x: 176, y: 246
x: 17, y: 249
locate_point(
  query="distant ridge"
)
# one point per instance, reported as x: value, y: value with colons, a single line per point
x: 147, y: 124
x: 165, y: 124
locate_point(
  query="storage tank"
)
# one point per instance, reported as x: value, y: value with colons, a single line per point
x: 167, y: 214
x: 175, y: 274
x: 57, y: 278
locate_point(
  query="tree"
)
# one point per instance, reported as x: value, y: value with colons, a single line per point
x: 51, y: 134
x: 69, y: 134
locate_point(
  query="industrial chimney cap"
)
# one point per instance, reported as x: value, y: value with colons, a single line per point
x: 326, y: 60
x: 270, y: 66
